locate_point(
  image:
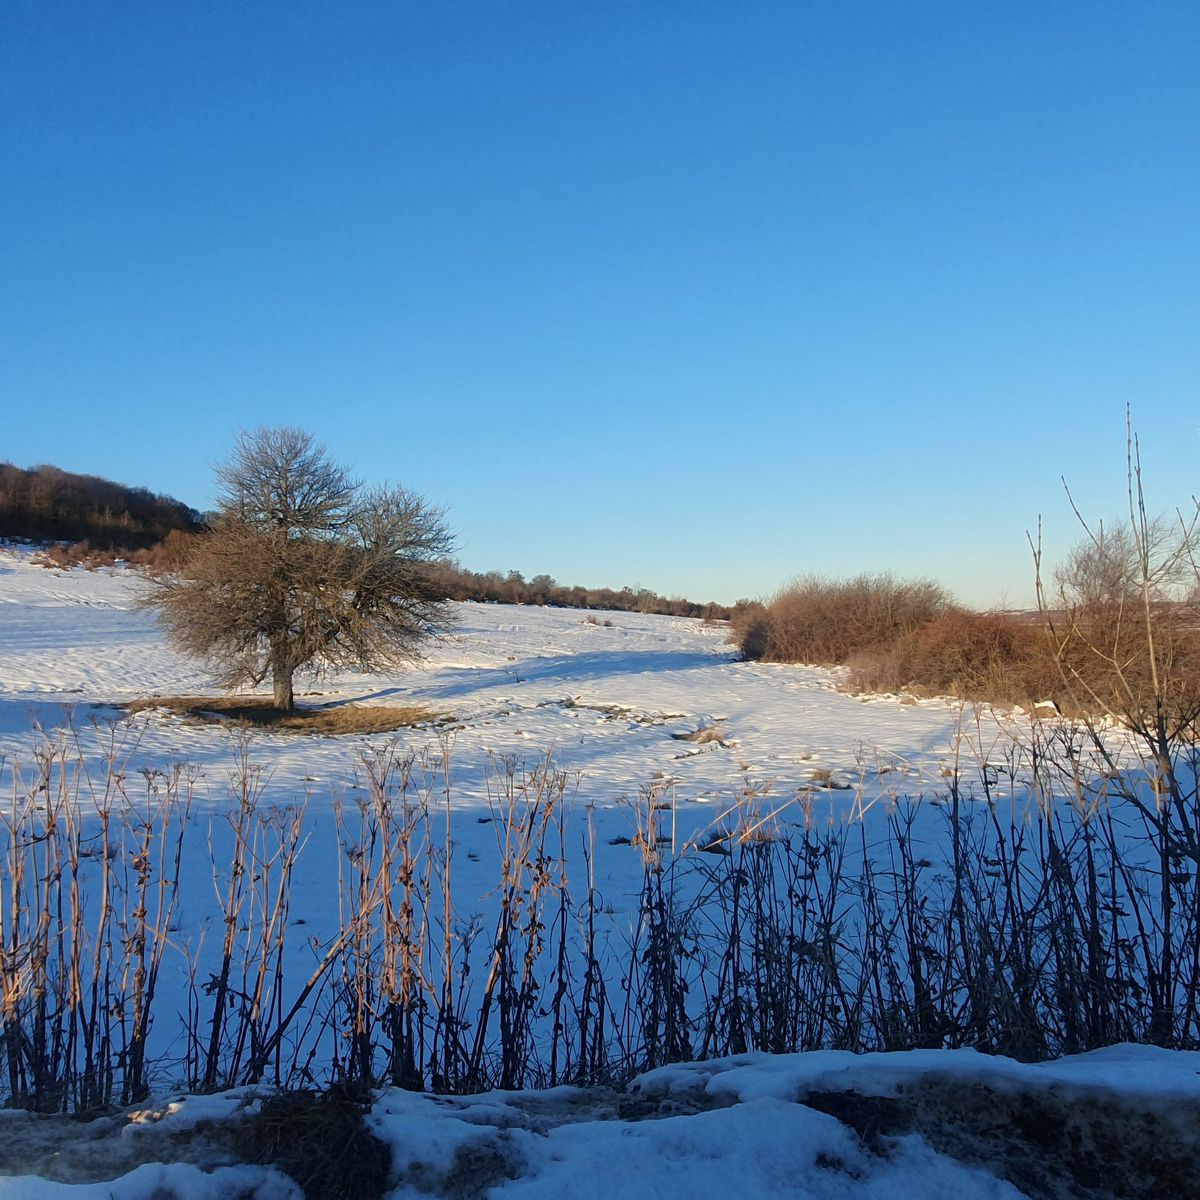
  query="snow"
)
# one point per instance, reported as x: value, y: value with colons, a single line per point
x: 176, y: 1114
x: 161, y: 1181
x: 761, y: 1148
x: 613, y: 705
x: 605, y: 700
x: 740, y: 1126
x: 1149, y: 1074
x: 737, y: 1126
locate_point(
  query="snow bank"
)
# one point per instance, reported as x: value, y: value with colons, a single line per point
x: 162, y: 1181
x: 754, y: 1126
x: 1146, y: 1074
x: 1125, y: 1119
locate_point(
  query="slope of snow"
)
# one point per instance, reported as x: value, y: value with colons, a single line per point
x: 613, y: 704
x: 613, y: 701
x: 526, y: 681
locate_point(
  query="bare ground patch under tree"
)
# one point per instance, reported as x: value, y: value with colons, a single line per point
x: 333, y: 719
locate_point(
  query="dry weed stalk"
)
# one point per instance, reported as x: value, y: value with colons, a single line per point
x: 1041, y: 902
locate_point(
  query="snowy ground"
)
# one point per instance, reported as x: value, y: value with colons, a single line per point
x: 821, y: 1126
x: 613, y: 705
x: 606, y: 701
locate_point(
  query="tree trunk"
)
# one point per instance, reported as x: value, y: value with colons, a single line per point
x: 281, y: 680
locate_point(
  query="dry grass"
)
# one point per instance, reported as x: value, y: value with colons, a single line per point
x: 1057, y: 928
x: 319, y: 1139
x: 259, y: 711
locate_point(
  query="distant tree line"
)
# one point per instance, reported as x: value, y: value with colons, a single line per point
x: 512, y: 587
x: 46, y: 503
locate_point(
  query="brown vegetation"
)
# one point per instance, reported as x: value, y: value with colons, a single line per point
x: 511, y: 587
x: 997, y: 657
x: 303, y: 569
x: 168, y: 555
x: 1041, y: 928
x: 819, y: 620
x: 1091, y: 659
x: 330, y: 720
x: 1116, y: 634
x: 48, y: 503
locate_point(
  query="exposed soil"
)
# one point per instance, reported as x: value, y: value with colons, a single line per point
x: 259, y: 711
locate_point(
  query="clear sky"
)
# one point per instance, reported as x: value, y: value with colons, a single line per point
x: 694, y: 296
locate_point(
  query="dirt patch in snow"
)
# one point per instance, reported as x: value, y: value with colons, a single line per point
x: 260, y: 712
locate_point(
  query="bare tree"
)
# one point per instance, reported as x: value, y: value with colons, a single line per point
x: 1121, y: 562
x: 1123, y: 616
x: 304, y: 569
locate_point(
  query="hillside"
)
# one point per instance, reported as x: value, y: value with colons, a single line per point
x: 45, y: 503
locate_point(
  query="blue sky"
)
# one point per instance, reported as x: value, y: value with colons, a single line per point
x: 694, y: 296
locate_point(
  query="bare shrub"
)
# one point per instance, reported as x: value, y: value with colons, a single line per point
x: 63, y: 557
x: 168, y: 555
x: 78, y: 981
x: 749, y: 628
x: 1125, y: 625
x: 1123, y: 616
x: 977, y: 656
x: 820, y: 620
x: 171, y: 554
x: 1047, y: 902
x: 56, y: 556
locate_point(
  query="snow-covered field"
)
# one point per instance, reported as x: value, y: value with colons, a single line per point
x: 613, y: 702
x: 605, y: 700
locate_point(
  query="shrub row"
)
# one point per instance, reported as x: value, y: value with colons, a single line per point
x: 512, y: 587
x: 1114, y: 655
x: 166, y: 555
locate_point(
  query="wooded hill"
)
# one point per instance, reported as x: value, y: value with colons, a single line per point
x: 45, y: 503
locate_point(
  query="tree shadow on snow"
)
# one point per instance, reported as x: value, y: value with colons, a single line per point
x: 571, y: 668
x: 24, y: 715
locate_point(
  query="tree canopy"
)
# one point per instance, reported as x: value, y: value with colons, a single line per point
x: 303, y: 568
